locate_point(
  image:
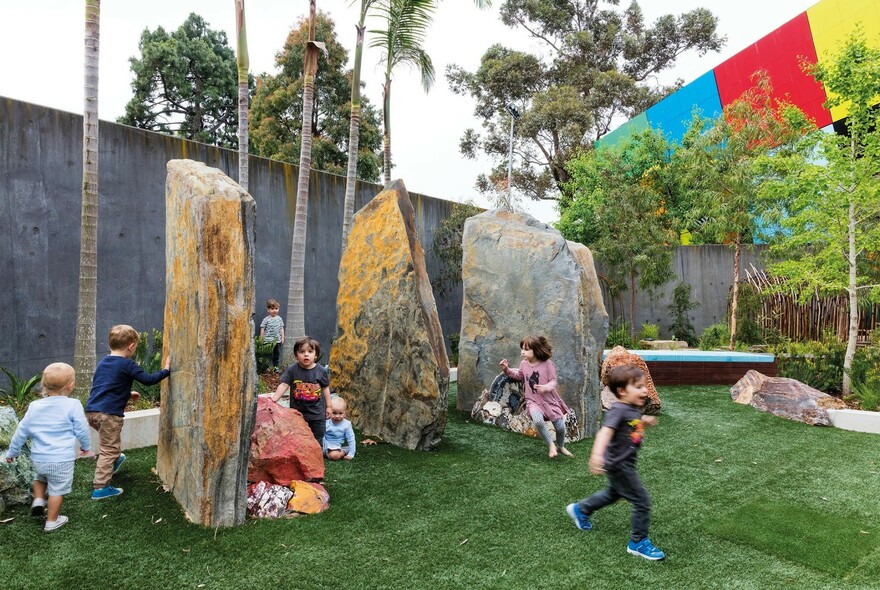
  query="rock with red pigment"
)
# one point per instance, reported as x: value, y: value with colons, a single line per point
x: 283, y: 448
x: 786, y: 398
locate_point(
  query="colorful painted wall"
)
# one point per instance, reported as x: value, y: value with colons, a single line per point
x: 812, y: 35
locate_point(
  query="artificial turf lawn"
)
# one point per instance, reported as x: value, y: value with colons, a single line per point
x: 486, y: 510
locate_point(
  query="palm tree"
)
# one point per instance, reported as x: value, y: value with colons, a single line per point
x: 243, y: 66
x: 295, y: 308
x: 86, y: 312
x: 401, y: 42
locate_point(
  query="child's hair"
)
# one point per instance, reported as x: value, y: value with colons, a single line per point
x: 121, y: 336
x: 338, y: 401
x: 538, y: 345
x: 56, y: 377
x: 310, y: 342
x: 273, y: 304
x: 619, y: 377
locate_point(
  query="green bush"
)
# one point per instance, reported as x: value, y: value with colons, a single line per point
x: 819, y: 363
x: 681, y: 305
x: 263, y: 352
x: 619, y: 335
x: 748, y: 310
x: 20, y: 392
x: 867, y: 393
x: 649, y: 332
x: 148, y: 355
x: 454, y: 339
x: 715, y: 336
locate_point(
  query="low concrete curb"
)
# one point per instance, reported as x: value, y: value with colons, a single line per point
x: 857, y: 420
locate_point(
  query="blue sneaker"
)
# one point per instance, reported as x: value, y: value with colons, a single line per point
x: 106, y: 492
x: 645, y: 548
x: 581, y: 520
x: 119, y: 461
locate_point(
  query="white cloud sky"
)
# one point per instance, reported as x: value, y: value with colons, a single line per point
x: 43, y: 64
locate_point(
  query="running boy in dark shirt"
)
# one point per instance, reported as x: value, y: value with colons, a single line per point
x: 614, y: 453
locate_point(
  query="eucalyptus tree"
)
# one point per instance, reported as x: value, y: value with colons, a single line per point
x: 401, y: 41
x: 87, y: 302
x: 243, y: 93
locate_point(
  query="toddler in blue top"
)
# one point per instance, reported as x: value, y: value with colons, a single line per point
x: 53, y: 424
x: 111, y: 390
x: 339, y: 438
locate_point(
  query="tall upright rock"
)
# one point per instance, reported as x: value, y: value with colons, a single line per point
x: 520, y: 277
x: 208, y: 404
x: 388, y: 359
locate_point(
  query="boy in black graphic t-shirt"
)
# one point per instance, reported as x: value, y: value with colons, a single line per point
x: 309, y: 386
x: 614, y: 453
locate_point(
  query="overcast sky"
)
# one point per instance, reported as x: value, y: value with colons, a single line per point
x: 42, y: 46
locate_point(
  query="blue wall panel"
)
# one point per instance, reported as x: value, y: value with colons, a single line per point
x: 673, y: 114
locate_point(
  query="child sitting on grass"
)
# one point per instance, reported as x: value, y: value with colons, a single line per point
x: 53, y: 424
x: 614, y: 453
x: 111, y: 390
x: 339, y: 438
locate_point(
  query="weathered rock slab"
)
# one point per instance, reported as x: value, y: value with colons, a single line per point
x: 207, y: 412
x: 786, y: 398
x: 16, y: 478
x: 267, y: 500
x: 283, y: 448
x: 388, y: 358
x: 520, y: 277
x: 620, y: 356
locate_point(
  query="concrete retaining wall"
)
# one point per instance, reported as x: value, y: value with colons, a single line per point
x: 40, y: 197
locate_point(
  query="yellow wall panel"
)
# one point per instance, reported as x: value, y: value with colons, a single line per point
x: 832, y: 21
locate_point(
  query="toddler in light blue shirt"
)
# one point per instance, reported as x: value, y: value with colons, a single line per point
x: 339, y: 437
x: 53, y: 424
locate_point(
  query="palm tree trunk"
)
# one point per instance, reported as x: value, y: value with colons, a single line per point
x: 386, y: 114
x: 295, y: 325
x: 737, y: 251
x: 84, y: 353
x: 853, y: 304
x: 354, y: 129
x: 632, y: 305
x: 243, y: 67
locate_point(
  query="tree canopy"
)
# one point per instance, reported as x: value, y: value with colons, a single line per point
x: 276, y: 111
x: 598, y: 66
x: 185, y: 83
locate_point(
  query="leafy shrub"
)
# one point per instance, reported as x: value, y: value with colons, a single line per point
x: 148, y: 355
x: 619, y: 335
x: 649, y: 332
x: 748, y: 310
x: 454, y: 339
x: 715, y: 336
x: 20, y: 392
x: 263, y: 352
x: 867, y: 393
x: 819, y: 363
x: 681, y: 304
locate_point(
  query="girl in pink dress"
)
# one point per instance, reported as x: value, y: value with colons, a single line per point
x: 538, y: 374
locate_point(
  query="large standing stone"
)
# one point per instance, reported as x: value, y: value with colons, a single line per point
x: 520, y: 277
x: 388, y: 359
x: 208, y: 403
x: 786, y: 398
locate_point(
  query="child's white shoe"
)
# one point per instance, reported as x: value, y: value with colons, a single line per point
x: 55, y: 524
x: 38, y: 507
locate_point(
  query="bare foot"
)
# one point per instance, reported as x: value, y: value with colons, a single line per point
x: 552, y: 453
x: 565, y: 452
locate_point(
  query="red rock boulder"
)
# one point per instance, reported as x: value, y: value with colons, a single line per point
x: 283, y: 448
x: 786, y: 398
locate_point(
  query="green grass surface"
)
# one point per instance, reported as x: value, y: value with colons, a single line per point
x: 486, y: 510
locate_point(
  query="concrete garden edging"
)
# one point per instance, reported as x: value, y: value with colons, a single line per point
x: 857, y: 420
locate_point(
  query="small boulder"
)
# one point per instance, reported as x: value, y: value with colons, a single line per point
x: 621, y: 356
x: 283, y: 448
x: 308, y: 498
x: 786, y: 398
x: 266, y: 500
x: 17, y: 477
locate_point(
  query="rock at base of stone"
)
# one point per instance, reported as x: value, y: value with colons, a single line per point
x: 786, y: 398
x: 388, y: 358
x: 266, y: 500
x: 503, y: 405
x: 283, y: 448
x: 308, y: 498
x: 16, y: 478
x: 621, y: 356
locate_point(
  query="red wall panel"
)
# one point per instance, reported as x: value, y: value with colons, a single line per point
x: 779, y: 53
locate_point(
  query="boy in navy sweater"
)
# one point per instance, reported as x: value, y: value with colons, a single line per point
x: 111, y: 390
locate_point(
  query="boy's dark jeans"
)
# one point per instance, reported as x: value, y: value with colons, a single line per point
x: 276, y: 355
x: 624, y: 482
